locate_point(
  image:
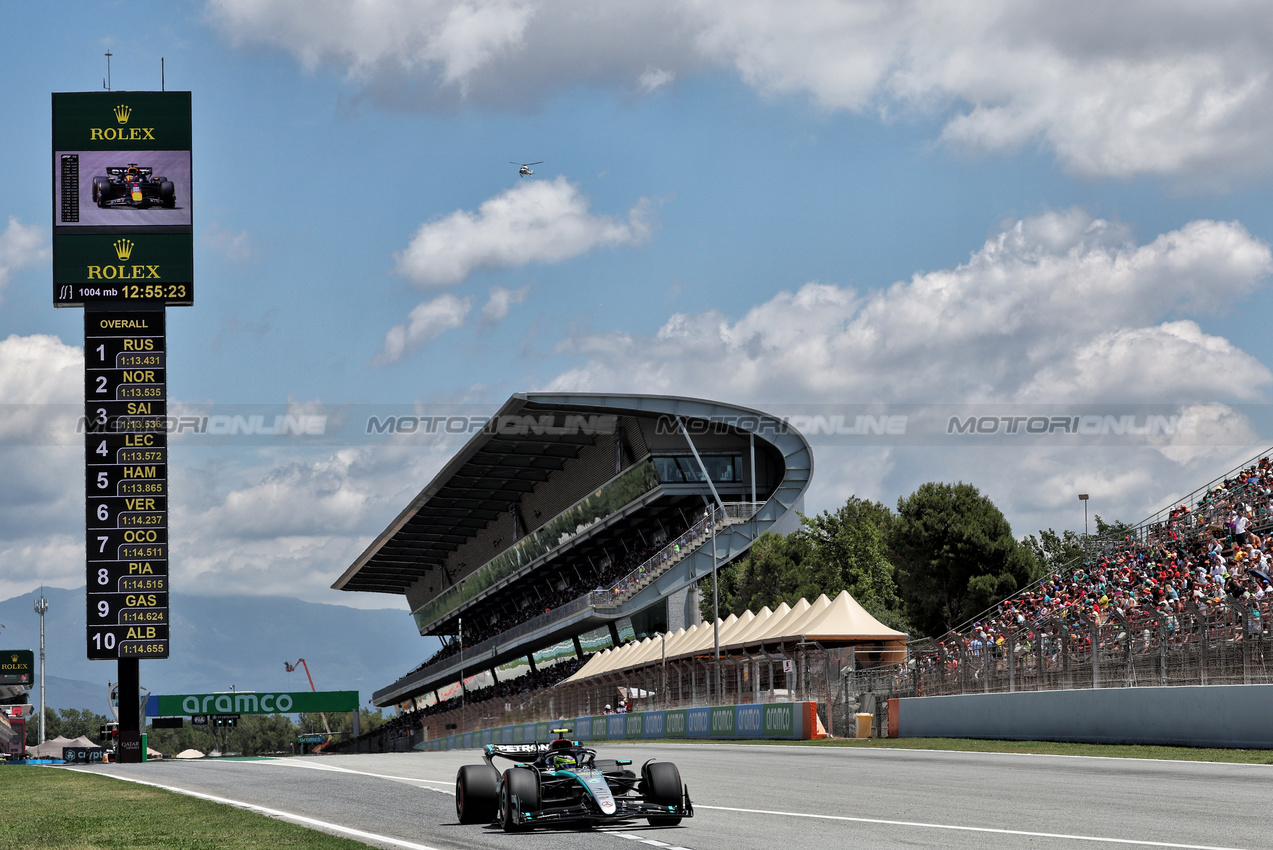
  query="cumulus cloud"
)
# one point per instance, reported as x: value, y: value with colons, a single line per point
x: 20, y: 245
x: 297, y: 517
x: 1056, y: 307
x: 42, y: 390
x: 42, y: 500
x: 1060, y: 309
x: 537, y: 221
x: 501, y: 300
x: 1113, y: 89
x: 425, y: 323
x: 508, y: 52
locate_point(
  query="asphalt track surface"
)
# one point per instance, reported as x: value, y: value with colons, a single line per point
x: 775, y: 796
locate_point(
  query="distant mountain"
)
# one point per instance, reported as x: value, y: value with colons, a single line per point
x: 219, y: 641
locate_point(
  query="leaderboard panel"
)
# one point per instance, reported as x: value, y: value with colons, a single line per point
x: 126, y: 484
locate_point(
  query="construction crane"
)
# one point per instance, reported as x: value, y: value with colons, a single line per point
x: 291, y: 668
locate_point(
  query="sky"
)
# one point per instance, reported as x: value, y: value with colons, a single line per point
x: 917, y: 209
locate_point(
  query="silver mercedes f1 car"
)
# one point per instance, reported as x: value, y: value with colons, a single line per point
x: 564, y: 782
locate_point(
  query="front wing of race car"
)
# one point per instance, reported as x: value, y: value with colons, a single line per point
x: 124, y: 195
x: 597, y: 805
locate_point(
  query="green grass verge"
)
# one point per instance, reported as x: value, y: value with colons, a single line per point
x: 969, y: 745
x: 53, y: 808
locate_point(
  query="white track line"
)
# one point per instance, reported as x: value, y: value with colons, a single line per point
x: 449, y: 785
x: 653, y: 842
x: 301, y: 819
x: 1096, y: 838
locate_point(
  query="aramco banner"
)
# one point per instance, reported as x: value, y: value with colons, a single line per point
x: 250, y: 702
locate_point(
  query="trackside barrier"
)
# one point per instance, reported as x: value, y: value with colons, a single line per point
x: 1175, y: 715
x: 774, y: 720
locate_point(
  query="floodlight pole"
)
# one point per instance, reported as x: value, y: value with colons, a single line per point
x: 715, y: 607
x: 41, y: 605
x: 462, y: 694
x: 712, y: 518
x: 1083, y: 498
x: 663, y: 688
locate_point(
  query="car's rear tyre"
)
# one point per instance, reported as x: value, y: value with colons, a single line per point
x: 662, y: 783
x: 101, y: 186
x: 167, y: 194
x: 476, y: 793
x: 523, y: 785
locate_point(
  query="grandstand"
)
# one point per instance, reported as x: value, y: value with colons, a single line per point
x: 1186, y: 598
x: 570, y: 524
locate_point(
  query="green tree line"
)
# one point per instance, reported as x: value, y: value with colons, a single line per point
x: 945, y: 555
x: 255, y: 734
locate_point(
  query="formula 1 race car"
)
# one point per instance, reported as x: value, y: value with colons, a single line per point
x: 133, y: 186
x: 564, y: 782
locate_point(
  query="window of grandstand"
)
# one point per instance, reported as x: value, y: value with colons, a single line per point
x: 558, y: 652
x: 725, y: 469
x: 626, y: 632
x: 514, y: 669
x: 596, y: 640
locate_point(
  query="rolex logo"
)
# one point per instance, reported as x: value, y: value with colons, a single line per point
x: 124, y: 248
x: 122, y: 112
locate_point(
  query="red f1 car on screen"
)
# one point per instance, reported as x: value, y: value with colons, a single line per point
x: 564, y: 782
x: 133, y: 185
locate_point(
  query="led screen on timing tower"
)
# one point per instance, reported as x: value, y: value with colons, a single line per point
x: 122, y: 210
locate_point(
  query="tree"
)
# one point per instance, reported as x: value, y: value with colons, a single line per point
x: 831, y: 552
x: 255, y: 735
x: 956, y: 555
x: 776, y: 569
x: 68, y: 723
x: 1115, y: 529
x: 850, y: 548
x: 1053, y: 551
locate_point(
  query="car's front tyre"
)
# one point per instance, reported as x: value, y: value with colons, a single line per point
x: 519, y: 792
x: 662, y: 783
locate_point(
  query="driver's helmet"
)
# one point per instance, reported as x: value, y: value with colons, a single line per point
x: 133, y: 173
x: 563, y: 760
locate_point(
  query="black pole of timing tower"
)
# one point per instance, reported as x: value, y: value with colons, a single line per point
x: 130, y: 700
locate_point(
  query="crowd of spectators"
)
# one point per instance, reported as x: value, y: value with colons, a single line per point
x: 1199, y: 558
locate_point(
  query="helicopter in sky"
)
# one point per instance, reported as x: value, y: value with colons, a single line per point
x: 525, y: 167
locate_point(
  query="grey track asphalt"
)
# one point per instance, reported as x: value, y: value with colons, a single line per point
x: 769, y: 796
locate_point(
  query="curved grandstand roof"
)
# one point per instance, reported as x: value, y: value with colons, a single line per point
x: 558, y: 489
x: 513, y: 455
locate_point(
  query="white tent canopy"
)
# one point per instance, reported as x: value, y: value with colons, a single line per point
x: 841, y: 620
x: 52, y: 747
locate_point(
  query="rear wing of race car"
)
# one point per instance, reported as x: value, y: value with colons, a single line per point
x: 516, y: 752
x: 121, y: 170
